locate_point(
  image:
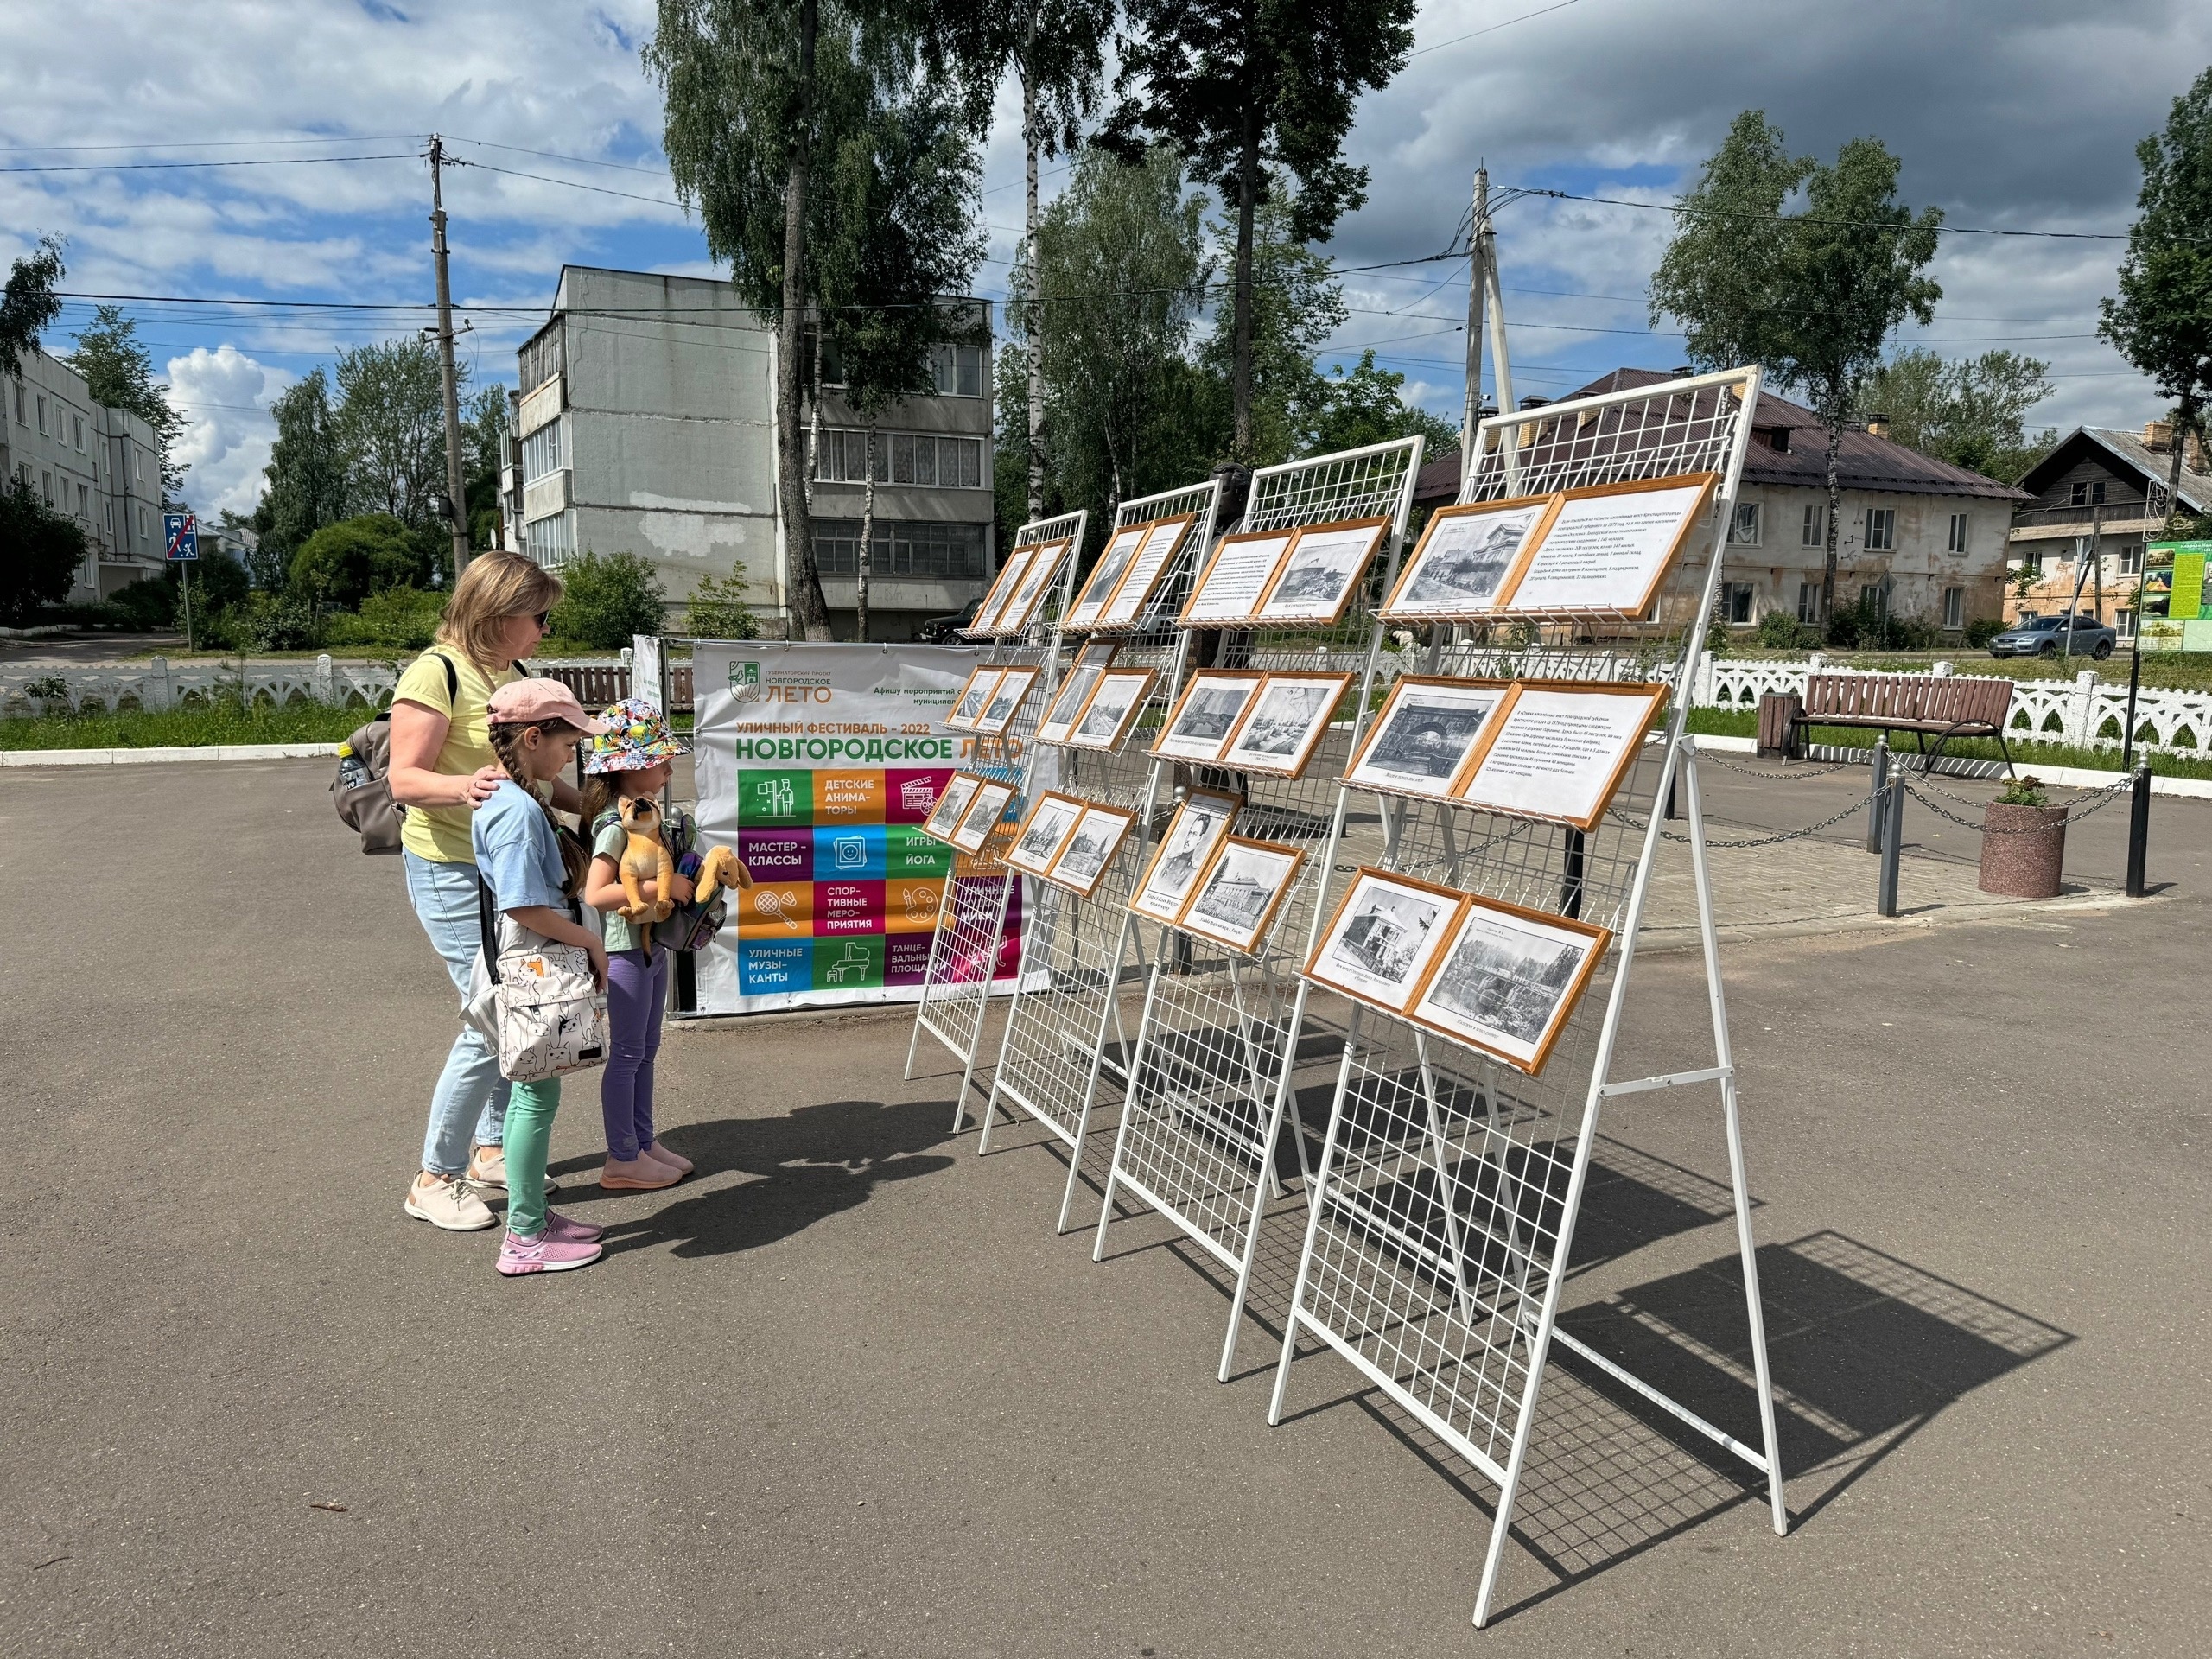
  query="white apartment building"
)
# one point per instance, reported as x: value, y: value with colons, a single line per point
x: 102, y: 466
x: 645, y: 422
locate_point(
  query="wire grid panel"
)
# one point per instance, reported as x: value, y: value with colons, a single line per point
x: 965, y: 945
x: 1221, y: 1037
x: 1067, y: 1034
x: 1446, y: 1200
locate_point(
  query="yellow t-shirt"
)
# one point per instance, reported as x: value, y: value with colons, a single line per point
x: 441, y: 833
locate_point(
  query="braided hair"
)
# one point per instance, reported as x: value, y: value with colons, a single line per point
x: 506, y: 744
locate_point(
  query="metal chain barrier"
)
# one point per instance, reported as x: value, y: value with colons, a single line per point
x: 1707, y: 755
x: 2097, y: 802
x: 1859, y: 806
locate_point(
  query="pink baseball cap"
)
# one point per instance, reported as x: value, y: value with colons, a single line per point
x: 524, y: 702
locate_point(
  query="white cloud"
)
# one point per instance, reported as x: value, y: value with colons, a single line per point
x: 224, y: 396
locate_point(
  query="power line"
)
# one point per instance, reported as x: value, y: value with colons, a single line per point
x: 215, y: 143
x: 258, y: 160
x: 573, y: 184
x: 1422, y: 51
x: 1845, y: 224
x: 556, y: 155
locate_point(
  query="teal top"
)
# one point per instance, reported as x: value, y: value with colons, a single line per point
x: 609, y: 842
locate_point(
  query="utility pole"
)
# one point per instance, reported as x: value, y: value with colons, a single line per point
x: 457, y: 484
x: 1485, y: 313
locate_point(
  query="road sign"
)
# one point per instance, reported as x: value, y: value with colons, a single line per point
x: 182, y: 530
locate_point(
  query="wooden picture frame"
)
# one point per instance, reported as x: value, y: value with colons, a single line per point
x: 1000, y: 594
x: 1392, y: 760
x: 1203, y: 821
x: 1493, y: 974
x: 1561, y: 777
x: 1526, y: 597
x: 1243, y: 928
x: 1154, y: 553
x: 951, y: 805
x: 981, y: 816
x: 1035, y: 584
x: 1114, y: 562
x: 1201, y: 743
x: 1105, y: 703
x: 1458, y: 567
x: 1006, y: 700
x: 1052, y: 819
x: 1228, y: 590
x: 1385, y: 936
x: 973, y: 697
x: 1312, y: 589
x: 1281, y: 740
x: 1066, y: 707
x: 1089, y: 849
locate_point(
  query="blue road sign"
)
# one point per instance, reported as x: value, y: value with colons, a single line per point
x: 182, y: 530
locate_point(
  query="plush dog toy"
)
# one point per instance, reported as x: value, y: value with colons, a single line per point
x: 644, y: 858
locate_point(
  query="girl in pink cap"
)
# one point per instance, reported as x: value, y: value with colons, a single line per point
x: 534, y: 873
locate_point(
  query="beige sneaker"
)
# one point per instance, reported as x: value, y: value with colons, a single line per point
x: 487, y: 1166
x: 449, y: 1202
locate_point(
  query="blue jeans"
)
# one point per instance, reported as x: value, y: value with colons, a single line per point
x: 470, y: 1090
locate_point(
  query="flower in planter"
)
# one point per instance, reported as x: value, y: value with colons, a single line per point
x: 2025, y: 790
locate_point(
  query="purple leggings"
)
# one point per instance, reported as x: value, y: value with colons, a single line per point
x: 636, y: 995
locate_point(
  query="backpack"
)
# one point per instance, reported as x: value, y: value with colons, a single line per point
x: 361, y: 791
x: 687, y: 927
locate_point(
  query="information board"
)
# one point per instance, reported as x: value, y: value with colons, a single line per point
x: 819, y: 763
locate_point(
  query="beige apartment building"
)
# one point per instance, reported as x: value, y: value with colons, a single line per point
x: 101, y: 467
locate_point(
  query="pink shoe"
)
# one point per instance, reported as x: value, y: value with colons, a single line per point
x: 660, y: 1153
x: 566, y: 1231
x: 639, y: 1174
x: 544, y: 1253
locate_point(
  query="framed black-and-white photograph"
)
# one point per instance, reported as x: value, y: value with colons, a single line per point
x: 1241, y: 892
x: 1463, y: 559
x: 951, y: 806
x: 1508, y: 980
x: 1228, y: 591
x: 982, y: 818
x: 1044, y: 832
x: 1075, y: 691
x: 1426, y: 734
x: 1200, y: 825
x: 1113, y: 565
x: 1015, y: 616
x: 1317, y: 579
x: 1162, y: 540
x: 1213, y: 703
x: 973, y: 697
x: 1113, y: 708
x: 1381, y: 942
x: 1091, y: 847
x: 1289, y: 714
x: 1001, y: 593
x: 1007, y: 698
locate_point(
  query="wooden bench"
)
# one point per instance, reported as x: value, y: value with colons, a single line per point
x: 1927, y: 705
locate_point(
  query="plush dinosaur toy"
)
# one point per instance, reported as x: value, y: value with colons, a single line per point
x: 644, y: 858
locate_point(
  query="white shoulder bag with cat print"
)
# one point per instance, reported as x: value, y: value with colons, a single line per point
x: 535, y: 1001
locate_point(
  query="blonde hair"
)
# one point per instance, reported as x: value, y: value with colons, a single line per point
x: 506, y: 744
x: 495, y: 589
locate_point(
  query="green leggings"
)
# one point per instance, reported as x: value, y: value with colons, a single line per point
x: 529, y: 1126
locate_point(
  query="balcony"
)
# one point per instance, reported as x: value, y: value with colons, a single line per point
x: 543, y: 497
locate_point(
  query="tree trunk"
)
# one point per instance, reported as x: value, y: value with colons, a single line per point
x: 1035, y: 326
x: 867, y: 539
x: 2184, y: 423
x: 1240, y: 381
x: 814, y: 425
x: 808, y: 608
x: 1835, y: 511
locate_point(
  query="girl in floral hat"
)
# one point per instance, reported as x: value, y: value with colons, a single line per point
x: 630, y: 758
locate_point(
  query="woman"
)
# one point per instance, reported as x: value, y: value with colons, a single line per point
x: 442, y: 766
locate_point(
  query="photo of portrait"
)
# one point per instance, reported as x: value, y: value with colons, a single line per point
x: 973, y: 698
x: 1508, y: 980
x: 1096, y: 838
x: 1212, y: 704
x: 1162, y: 539
x: 1067, y: 704
x: 1463, y: 559
x: 1199, y: 826
x: 1240, y: 893
x: 1288, y: 715
x: 1422, y: 738
x: 991, y: 615
x: 1017, y: 612
x: 1325, y: 563
x: 1112, y: 708
x: 1386, y: 933
x: 1039, y: 840
x: 981, y: 816
x: 951, y: 805
x: 1113, y: 565
x: 1007, y: 698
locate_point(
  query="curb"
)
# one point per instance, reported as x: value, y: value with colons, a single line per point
x: 2198, y: 789
x: 154, y: 756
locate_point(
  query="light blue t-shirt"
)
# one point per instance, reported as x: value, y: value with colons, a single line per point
x: 517, y: 851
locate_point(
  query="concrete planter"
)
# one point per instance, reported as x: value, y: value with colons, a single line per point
x: 2023, y: 850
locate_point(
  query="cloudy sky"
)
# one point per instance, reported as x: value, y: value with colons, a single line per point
x: 2008, y: 115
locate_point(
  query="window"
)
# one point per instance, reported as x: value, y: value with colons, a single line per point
x: 85, y: 502
x: 919, y: 458
x: 46, y: 484
x: 142, y: 532
x: 2131, y: 560
x: 139, y: 455
x: 953, y: 552
x: 545, y: 451
x: 1881, y: 530
x: 1954, y: 608
x: 1732, y: 604
x: 1816, y: 531
x: 1743, y: 529
x: 2087, y: 492
x: 42, y: 413
x: 2124, y: 623
x: 78, y: 421
x: 1958, y: 541
x: 19, y: 402
x: 107, y: 517
x: 958, y: 369
x: 1808, y: 601
x: 551, y: 541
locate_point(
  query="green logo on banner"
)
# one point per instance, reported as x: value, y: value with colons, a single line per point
x: 745, y: 682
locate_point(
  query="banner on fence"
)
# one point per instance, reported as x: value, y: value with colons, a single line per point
x: 818, y: 763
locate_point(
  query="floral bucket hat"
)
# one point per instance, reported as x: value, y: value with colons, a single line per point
x: 637, y: 736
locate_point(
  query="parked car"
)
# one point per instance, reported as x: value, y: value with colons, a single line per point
x: 2045, y: 635
x: 941, y: 630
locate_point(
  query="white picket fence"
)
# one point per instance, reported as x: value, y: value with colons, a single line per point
x: 159, y: 683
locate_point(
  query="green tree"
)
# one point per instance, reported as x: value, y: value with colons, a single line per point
x: 306, y: 479
x: 41, y: 552
x: 1971, y: 412
x: 1241, y: 87
x: 345, y: 562
x: 390, y: 424
x: 1297, y: 303
x: 1369, y: 406
x: 717, y: 610
x: 607, y: 597
x: 2162, y: 321
x: 483, y: 442
x: 119, y: 372
x: 28, y: 306
x: 1812, y: 294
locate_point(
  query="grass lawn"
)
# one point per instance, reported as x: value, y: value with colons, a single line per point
x: 2026, y: 753
x: 199, y: 727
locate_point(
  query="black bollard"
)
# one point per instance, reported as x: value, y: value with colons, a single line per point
x: 1890, y: 809
x: 2138, y: 830
x: 1570, y: 890
x: 1881, y: 781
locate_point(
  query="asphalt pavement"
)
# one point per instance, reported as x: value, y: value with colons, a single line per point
x: 845, y: 1392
